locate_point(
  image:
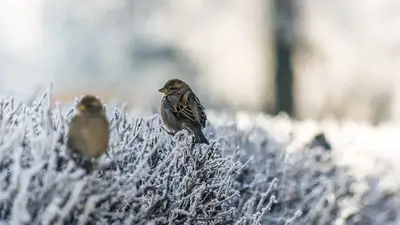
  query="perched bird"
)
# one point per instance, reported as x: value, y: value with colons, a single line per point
x: 181, y: 109
x: 88, y: 134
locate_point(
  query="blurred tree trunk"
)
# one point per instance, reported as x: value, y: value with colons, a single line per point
x: 284, y: 42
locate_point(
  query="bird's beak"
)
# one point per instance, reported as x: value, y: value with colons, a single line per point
x: 81, y: 108
x: 163, y: 90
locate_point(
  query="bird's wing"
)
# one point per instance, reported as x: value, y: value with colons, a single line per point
x: 97, y: 136
x: 201, y: 111
x: 197, y: 108
x: 75, y: 139
x: 190, y: 108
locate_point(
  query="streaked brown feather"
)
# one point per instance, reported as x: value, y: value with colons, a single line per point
x: 189, y: 108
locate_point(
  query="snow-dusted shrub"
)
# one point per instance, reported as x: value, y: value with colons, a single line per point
x: 244, y: 177
x: 148, y: 175
x: 307, y: 185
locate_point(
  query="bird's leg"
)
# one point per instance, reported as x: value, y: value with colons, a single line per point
x: 88, y: 165
x: 194, y: 143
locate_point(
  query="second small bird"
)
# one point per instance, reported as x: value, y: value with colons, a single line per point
x: 181, y: 109
x: 88, y: 134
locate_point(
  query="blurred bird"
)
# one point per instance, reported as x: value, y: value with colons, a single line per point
x: 181, y: 109
x: 88, y: 134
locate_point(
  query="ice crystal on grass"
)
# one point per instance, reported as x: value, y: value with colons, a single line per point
x: 243, y: 177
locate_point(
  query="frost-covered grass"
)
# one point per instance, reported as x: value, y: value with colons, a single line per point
x: 246, y: 176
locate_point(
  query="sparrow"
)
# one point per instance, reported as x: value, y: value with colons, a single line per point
x: 181, y: 109
x: 88, y: 133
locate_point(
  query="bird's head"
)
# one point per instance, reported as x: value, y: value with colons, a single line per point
x: 89, y: 104
x: 174, y: 86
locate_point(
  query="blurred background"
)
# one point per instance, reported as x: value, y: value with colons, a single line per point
x: 311, y: 59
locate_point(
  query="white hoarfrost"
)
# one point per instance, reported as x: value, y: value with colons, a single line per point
x: 257, y: 170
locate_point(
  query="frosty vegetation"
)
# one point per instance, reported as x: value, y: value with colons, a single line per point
x: 245, y: 177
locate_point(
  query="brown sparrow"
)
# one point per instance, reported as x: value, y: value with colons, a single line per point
x: 88, y: 134
x: 181, y: 109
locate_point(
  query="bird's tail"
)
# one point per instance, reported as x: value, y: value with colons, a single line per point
x: 200, y: 138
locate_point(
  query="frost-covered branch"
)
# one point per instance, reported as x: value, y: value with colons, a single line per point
x: 244, y: 177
